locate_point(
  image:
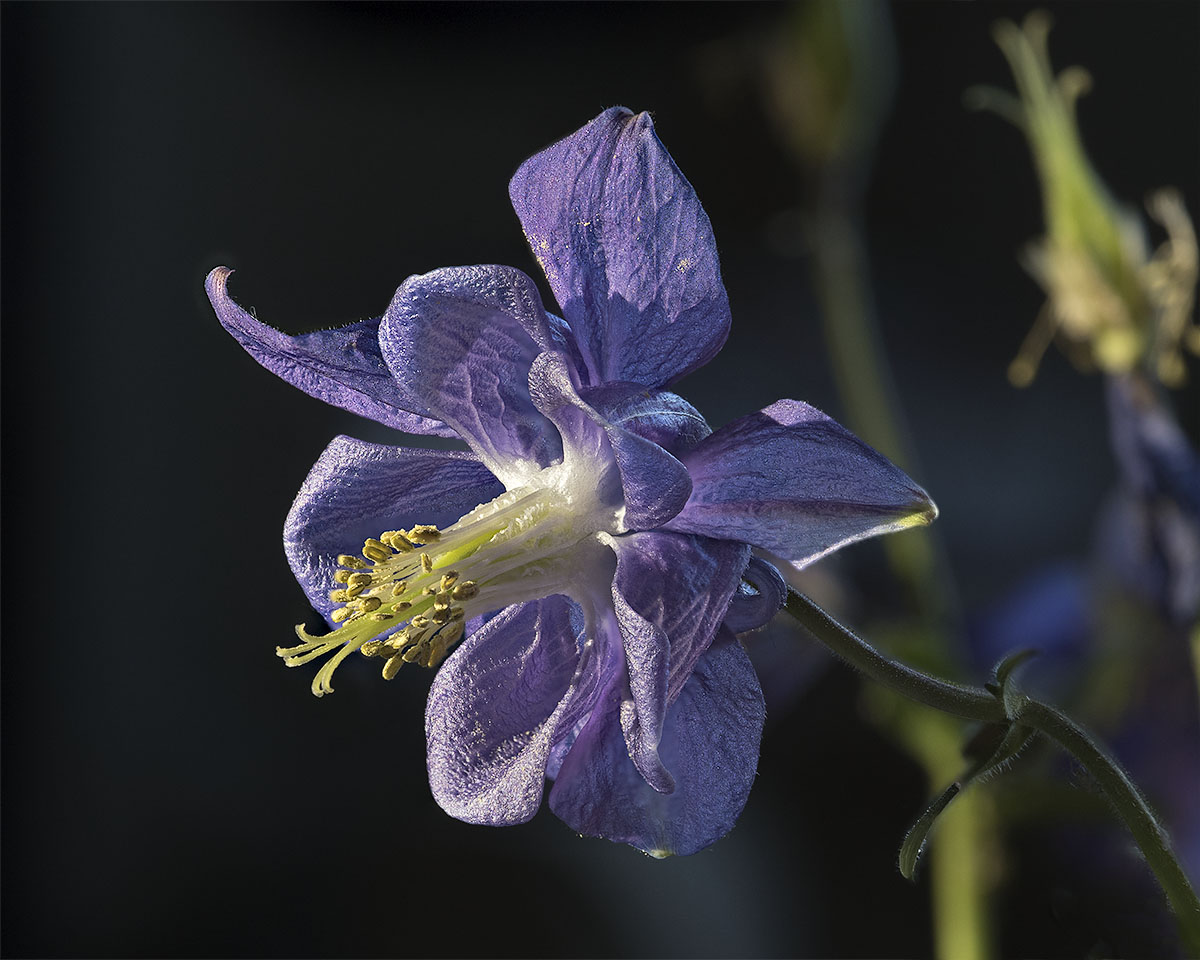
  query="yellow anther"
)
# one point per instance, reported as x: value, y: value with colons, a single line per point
x: 426, y: 563
x: 339, y: 596
x: 340, y: 614
x: 368, y: 604
x: 354, y: 563
x: 441, y: 601
x: 401, y: 606
x: 376, y: 551
x: 411, y: 654
x: 354, y: 590
x: 371, y: 648
x: 465, y: 590
x: 392, y: 667
x: 359, y: 580
x: 398, y: 640
x: 429, y: 591
x: 455, y: 632
x: 441, y: 616
x: 341, y: 576
x: 424, y: 532
x: 442, y: 643
x: 449, y: 579
x: 420, y: 622
x: 397, y: 541
x: 399, y: 588
x: 381, y: 616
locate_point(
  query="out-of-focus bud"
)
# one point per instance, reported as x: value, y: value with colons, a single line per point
x: 1111, y: 304
x: 828, y: 75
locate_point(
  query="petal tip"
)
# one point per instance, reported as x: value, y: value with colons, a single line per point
x: 924, y: 511
x: 214, y: 283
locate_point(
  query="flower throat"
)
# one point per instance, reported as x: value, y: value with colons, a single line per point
x: 418, y: 585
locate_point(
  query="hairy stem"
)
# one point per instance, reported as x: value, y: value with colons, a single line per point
x: 958, y: 699
x: 1128, y: 803
x: 976, y: 703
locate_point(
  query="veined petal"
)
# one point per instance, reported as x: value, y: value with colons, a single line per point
x: 658, y: 415
x: 463, y: 339
x: 493, y: 710
x: 681, y: 584
x: 356, y: 490
x: 669, y: 595
x: 710, y: 742
x: 343, y: 366
x: 654, y: 484
x: 754, y: 605
x: 797, y: 483
x: 628, y: 251
x: 647, y: 654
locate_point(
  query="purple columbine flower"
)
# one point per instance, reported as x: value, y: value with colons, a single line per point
x: 591, y: 547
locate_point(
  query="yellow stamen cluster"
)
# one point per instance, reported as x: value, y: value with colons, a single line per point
x: 392, y: 584
x: 405, y: 598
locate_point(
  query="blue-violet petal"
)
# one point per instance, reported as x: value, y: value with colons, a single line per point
x: 343, y: 366
x: 710, y: 743
x: 463, y: 339
x: 797, y: 483
x: 757, y: 599
x: 628, y: 250
x: 493, y: 710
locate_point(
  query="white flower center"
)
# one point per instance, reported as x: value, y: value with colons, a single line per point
x: 407, y: 599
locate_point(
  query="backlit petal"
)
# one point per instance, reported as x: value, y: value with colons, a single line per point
x: 493, y: 710
x: 794, y: 481
x: 343, y: 366
x: 463, y: 339
x: 710, y: 743
x: 628, y: 251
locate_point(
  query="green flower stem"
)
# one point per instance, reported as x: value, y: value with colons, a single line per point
x: 972, y: 703
x: 1130, y: 806
x: 975, y: 703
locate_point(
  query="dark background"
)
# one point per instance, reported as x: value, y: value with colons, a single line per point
x: 169, y: 788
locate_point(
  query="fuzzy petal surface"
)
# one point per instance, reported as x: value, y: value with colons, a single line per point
x: 670, y: 593
x: 463, y: 339
x: 357, y: 490
x: 683, y: 585
x: 343, y: 366
x: 628, y: 250
x: 642, y: 713
x: 797, y: 483
x: 493, y: 710
x: 710, y: 743
x: 653, y: 484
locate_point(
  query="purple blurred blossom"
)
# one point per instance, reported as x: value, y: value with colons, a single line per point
x: 611, y: 665
x: 1149, y: 540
